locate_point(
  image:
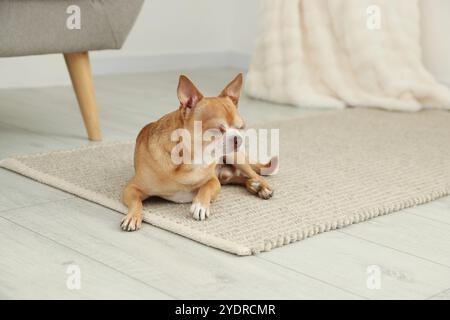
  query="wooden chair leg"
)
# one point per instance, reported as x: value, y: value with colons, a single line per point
x: 80, y: 73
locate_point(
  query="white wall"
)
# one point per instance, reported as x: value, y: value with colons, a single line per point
x: 245, y: 26
x: 180, y: 34
x: 435, y: 38
x: 192, y: 26
x: 173, y: 34
x: 173, y: 26
x: 168, y: 34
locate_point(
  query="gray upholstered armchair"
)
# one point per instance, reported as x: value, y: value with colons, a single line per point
x: 74, y: 27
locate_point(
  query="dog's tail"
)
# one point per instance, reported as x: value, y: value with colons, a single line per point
x: 267, y: 169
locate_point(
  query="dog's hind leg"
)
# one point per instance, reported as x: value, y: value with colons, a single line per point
x: 132, y: 197
x: 242, y: 173
x: 255, y: 183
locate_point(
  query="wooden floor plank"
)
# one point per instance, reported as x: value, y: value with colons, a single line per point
x: 16, y: 141
x: 438, y: 210
x: 408, y: 233
x: 444, y: 295
x: 33, y: 267
x: 18, y: 191
x: 352, y: 263
x: 180, y: 267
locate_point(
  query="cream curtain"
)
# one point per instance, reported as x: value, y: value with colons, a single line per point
x: 338, y: 53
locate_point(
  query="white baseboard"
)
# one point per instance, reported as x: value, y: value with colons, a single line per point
x: 164, y: 62
x: 49, y: 70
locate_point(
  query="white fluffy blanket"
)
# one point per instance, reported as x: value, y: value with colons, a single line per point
x: 337, y: 53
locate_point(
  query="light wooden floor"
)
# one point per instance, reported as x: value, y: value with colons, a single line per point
x: 44, y: 230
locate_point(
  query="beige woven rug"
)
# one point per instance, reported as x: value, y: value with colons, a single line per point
x: 335, y: 169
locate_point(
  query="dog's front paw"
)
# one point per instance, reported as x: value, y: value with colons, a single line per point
x: 131, y: 222
x: 260, y: 188
x: 199, y: 211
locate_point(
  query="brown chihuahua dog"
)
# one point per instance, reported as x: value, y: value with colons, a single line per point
x: 156, y: 174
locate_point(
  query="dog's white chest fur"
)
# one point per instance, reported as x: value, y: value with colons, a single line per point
x: 180, y: 197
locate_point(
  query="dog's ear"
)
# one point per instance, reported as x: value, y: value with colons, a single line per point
x: 233, y: 89
x: 188, y: 94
